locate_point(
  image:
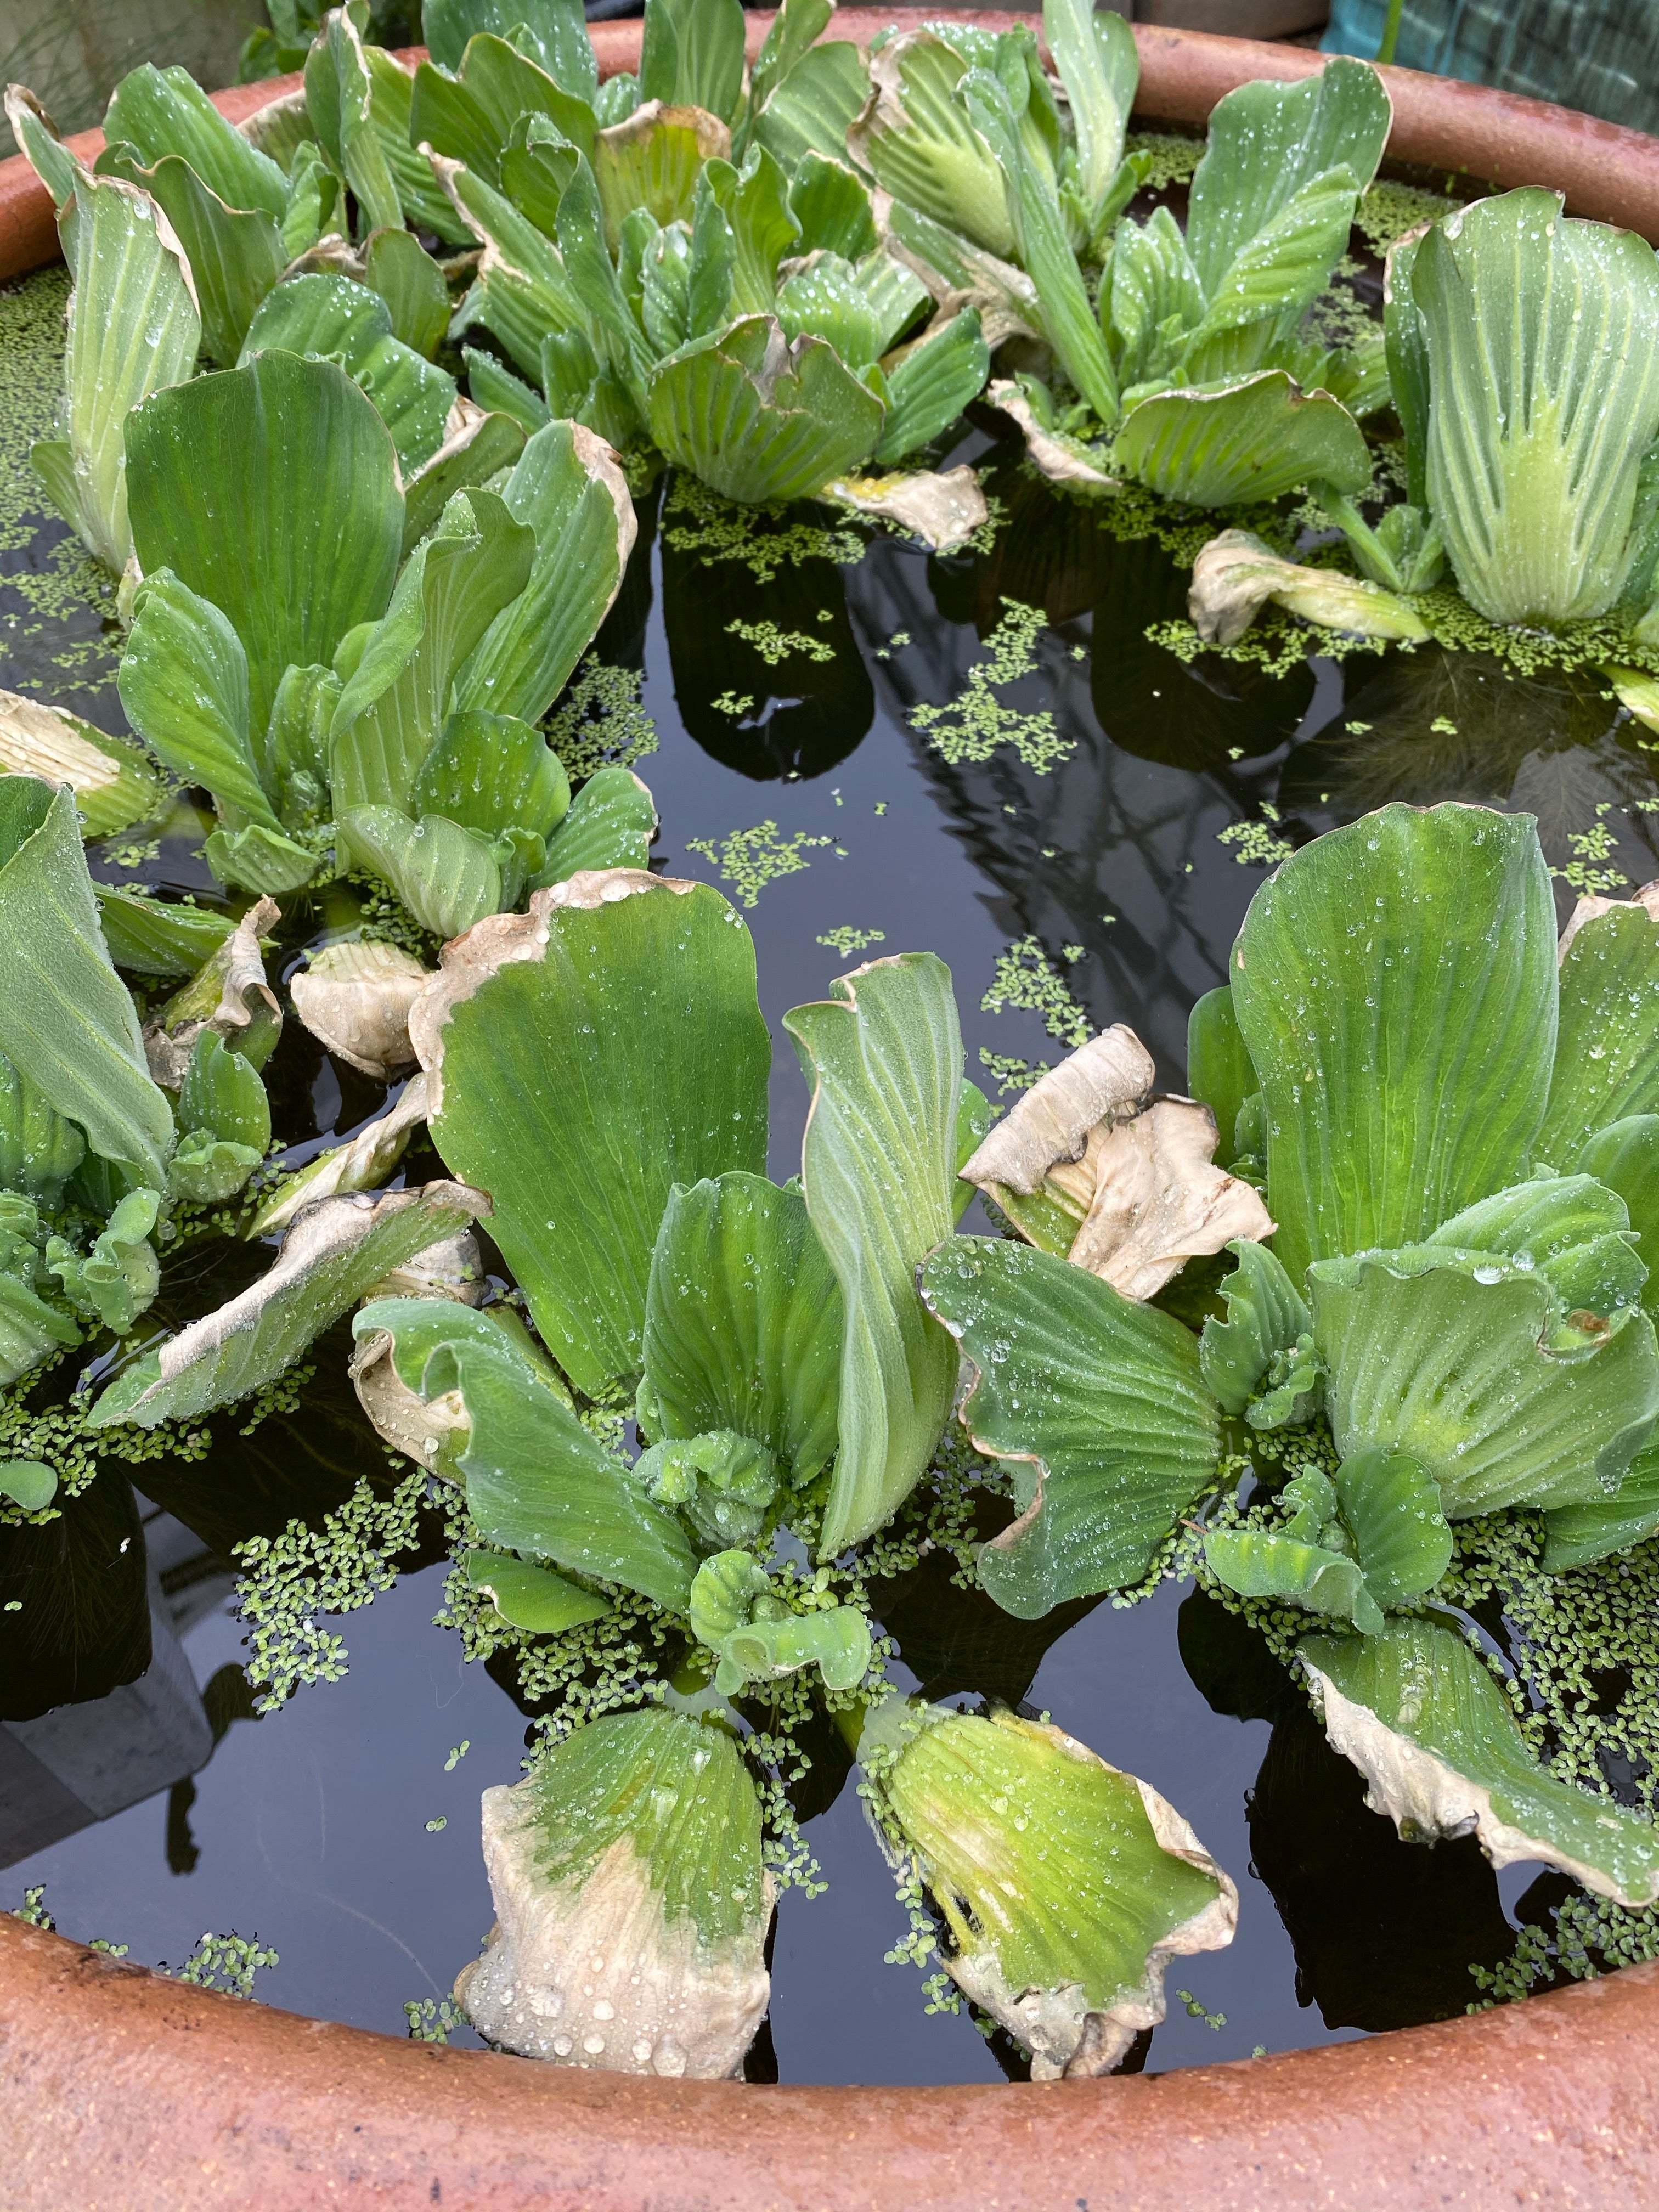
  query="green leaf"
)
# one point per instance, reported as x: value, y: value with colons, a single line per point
x: 692, y: 55
x: 794, y: 29
x: 117, y: 1279
x: 1447, y: 996
x: 426, y: 205
x: 208, y: 1169
x: 590, y: 1056
x: 815, y: 106
x: 259, y: 860
x: 39, y: 1150
x: 1267, y: 141
x: 743, y: 1322
x: 393, y: 707
x: 28, y: 1483
x: 1263, y: 1562
x: 493, y: 386
x: 1442, y: 1356
x: 1265, y: 1314
x: 1246, y: 442
x: 1606, y: 1057
x: 831, y: 203
x: 1065, y: 314
x: 1576, y: 1534
x: 755, y: 201
x: 336, y: 1251
x: 183, y: 683
x: 223, y: 1092
x: 883, y: 1055
x: 493, y: 772
x: 922, y: 145
x: 555, y: 28
x: 477, y: 453
x: 236, y: 255
x: 65, y: 1016
x: 328, y: 317
x: 1424, y: 1720
x: 723, y: 1483
x: 932, y: 383
x: 823, y: 299
x: 529, y: 1597
x: 540, y: 1484
x: 1277, y: 274
x: 1624, y: 1157
x: 567, y: 489
x: 507, y: 84
x: 29, y: 1330
x: 1100, y: 68
x: 1391, y: 1504
x: 1097, y: 1401
x: 1542, y: 345
x: 212, y: 469
x: 316, y: 195
x: 1572, y: 1230
x: 153, y: 937
x: 162, y: 112
x: 133, y: 328
x: 760, y: 419
x: 38, y: 143
x: 294, y: 763
x: 1218, y: 1068
x: 115, y: 783
x: 522, y: 291
x: 759, y: 1639
x: 611, y: 822
x: 339, y: 99
x: 447, y: 878
x: 653, y: 161
x: 1066, y: 1886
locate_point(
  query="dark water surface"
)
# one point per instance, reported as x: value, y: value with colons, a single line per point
x: 310, y: 1827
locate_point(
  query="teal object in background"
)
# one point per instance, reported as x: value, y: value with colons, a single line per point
x: 1600, y: 56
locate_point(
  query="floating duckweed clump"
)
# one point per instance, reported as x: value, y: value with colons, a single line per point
x: 601, y: 722
x: 848, y: 939
x: 775, y: 646
x: 750, y: 860
x: 1388, y: 210
x: 289, y: 1583
x: 60, y: 1438
x: 972, y: 725
x: 1025, y: 977
x: 1257, y: 844
x: 760, y: 539
x: 55, y: 604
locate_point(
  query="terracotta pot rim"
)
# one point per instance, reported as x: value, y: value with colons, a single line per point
x: 133, y: 2093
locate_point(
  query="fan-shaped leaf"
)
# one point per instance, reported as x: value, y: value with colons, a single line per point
x: 1098, y: 1402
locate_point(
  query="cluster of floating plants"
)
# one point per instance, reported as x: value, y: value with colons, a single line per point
x: 1389, y: 1268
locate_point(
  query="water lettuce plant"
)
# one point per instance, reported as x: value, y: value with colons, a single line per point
x: 1520, y: 347
x: 394, y: 695
x: 1184, y: 361
x: 660, y: 273
x: 1421, y: 1099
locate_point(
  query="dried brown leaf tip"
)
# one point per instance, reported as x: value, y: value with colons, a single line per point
x: 1091, y: 1165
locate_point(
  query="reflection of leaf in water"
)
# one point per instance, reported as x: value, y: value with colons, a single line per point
x: 1384, y: 1931
x: 813, y: 713
x: 1056, y: 553
x: 954, y: 1640
x: 82, y: 1625
x: 1195, y: 714
x: 226, y: 1698
x: 1230, y: 1664
x: 1046, y: 554
x: 1500, y: 740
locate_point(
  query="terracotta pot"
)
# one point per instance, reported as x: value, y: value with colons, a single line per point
x: 1467, y: 130
x: 124, y: 2092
